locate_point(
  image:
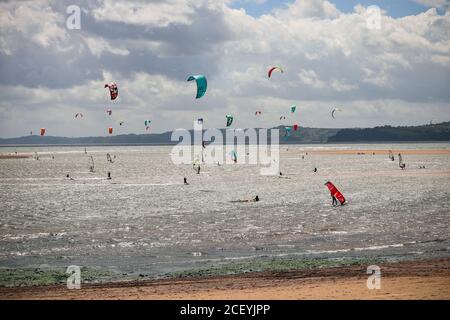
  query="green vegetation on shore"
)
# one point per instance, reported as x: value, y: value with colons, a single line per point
x: 44, y: 277
x: 26, y: 277
x: 273, y: 265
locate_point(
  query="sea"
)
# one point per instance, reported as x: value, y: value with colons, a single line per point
x: 145, y: 220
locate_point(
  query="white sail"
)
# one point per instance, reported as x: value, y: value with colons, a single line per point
x: 91, y: 164
x: 401, y: 164
x: 108, y: 158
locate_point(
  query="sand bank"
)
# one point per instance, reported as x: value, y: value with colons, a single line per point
x: 378, y: 152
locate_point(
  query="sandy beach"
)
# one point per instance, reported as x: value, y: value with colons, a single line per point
x: 428, y: 279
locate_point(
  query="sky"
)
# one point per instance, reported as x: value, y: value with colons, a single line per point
x: 380, y: 67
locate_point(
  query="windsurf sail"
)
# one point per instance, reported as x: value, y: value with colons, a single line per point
x: 108, y: 158
x: 401, y: 164
x: 391, y: 156
x: 234, y: 156
x: 196, y: 165
x: 91, y: 163
x: 335, y: 192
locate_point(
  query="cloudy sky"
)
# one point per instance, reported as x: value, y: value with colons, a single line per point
x: 334, y: 54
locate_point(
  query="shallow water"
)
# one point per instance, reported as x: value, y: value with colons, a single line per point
x: 145, y: 220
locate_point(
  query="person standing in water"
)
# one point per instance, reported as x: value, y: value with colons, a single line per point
x: 185, y: 181
x: 335, y: 202
x: 109, y: 175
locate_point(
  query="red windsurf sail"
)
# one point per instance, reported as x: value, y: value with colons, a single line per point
x: 335, y: 192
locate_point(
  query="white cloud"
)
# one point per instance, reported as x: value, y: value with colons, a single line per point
x: 98, y: 45
x: 159, y: 14
x: 329, y: 58
x: 310, y: 78
x: 35, y: 20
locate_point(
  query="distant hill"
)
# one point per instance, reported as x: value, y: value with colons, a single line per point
x: 302, y: 135
x: 432, y: 132
x: 435, y: 132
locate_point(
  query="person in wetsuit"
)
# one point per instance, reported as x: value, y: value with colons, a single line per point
x: 335, y: 202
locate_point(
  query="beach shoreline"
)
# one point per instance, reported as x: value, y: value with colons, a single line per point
x: 422, y: 279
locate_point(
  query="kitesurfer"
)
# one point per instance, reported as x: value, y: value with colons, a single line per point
x: 335, y: 194
x: 255, y: 199
x: 109, y: 175
x: 335, y: 202
x: 315, y: 170
x: 185, y: 181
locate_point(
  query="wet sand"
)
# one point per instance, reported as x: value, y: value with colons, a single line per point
x: 402, y: 280
x: 14, y: 156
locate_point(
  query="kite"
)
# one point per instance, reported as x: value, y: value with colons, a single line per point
x: 335, y: 193
x: 229, y: 119
x: 271, y: 69
x: 287, y: 131
x: 113, y: 90
x: 334, y: 110
x: 201, y: 84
